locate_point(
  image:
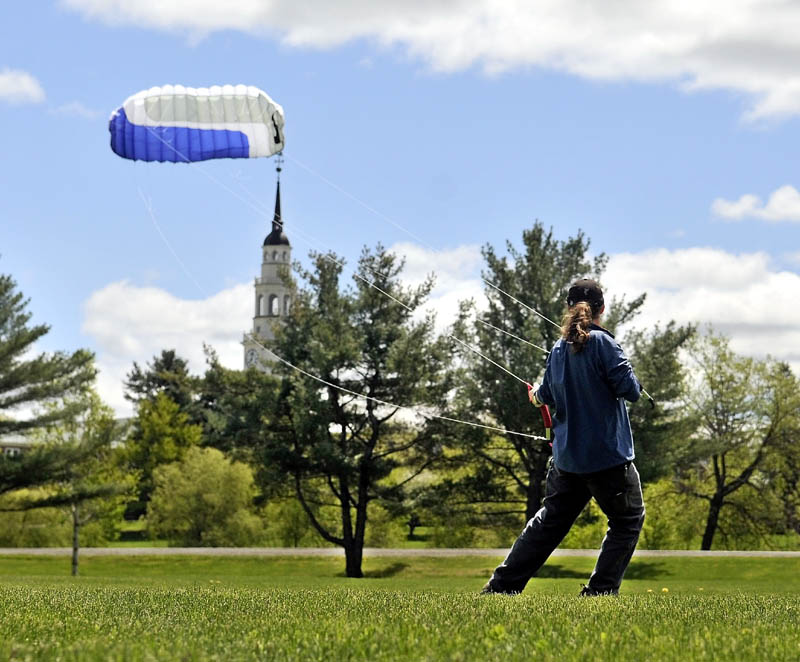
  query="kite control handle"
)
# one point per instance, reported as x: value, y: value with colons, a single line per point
x: 548, y: 422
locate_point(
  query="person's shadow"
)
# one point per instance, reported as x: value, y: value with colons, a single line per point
x: 636, y: 570
x: 382, y: 573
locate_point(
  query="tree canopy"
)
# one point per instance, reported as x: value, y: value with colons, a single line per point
x: 746, y: 409
x: 36, y: 391
x: 536, y: 276
x: 336, y: 446
x: 29, y: 383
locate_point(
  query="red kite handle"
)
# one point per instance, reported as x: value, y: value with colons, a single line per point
x: 548, y: 422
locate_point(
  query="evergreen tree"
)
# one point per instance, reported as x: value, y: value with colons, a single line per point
x: 162, y: 433
x: 659, y: 432
x: 30, y: 383
x: 513, y: 467
x: 166, y: 374
x: 96, y: 487
x: 237, y: 406
x: 169, y: 418
x: 358, y: 341
x: 42, y: 387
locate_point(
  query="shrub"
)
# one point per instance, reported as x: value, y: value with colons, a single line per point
x: 205, y: 500
x: 672, y: 520
x: 287, y: 525
x: 42, y: 527
x: 382, y: 529
x: 588, y: 530
x: 52, y: 527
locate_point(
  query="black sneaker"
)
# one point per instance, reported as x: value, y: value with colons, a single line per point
x: 589, y: 592
x: 488, y: 589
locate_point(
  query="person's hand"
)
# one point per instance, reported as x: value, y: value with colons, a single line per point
x: 533, y: 395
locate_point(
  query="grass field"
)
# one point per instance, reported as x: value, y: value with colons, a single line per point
x: 218, y: 608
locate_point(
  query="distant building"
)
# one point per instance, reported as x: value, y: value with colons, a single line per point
x: 14, y: 444
x: 272, y: 297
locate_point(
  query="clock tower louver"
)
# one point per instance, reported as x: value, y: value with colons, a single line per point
x: 272, y: 297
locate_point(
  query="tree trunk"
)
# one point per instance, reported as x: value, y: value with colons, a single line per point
x: 352, y: 550
x: 353, y: 554
x: 711, y: 523
x: 76, y: 527
x: 412, y: 524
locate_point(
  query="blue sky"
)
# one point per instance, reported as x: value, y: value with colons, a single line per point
x: 668, y: 133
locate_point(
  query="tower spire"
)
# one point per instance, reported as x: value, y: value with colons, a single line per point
x: 277, y: 221
x: 277, y: 236
x: 273, y: 295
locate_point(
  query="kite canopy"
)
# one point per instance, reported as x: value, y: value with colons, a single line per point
x: 185, y: 124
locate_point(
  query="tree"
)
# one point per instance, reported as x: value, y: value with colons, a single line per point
x: 204, y: 500
x: 91, y: 487
x: 513, y: 467
x: 38, y: 527
x: 96, y: 487
x: 238, y: 406
x: 287, y: 524
x: 744, y: 409
x: 784, y: 464
x: 33, y: 385
x: 660, y: 432
x: 359, y: 341
x: 161, y: 434
x: 167, y: 374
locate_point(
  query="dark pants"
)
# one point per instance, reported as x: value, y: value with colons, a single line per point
x: 617, y: 491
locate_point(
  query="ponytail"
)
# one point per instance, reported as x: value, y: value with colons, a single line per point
x: 575, y: 325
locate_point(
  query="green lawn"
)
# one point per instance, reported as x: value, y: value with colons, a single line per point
x: 211, y: 608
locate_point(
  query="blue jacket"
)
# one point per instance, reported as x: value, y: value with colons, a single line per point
x: 591, y: 426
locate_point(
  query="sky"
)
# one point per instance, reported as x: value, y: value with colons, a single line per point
x: 666, y: 131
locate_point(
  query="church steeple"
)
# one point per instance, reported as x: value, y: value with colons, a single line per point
x: 273, y: 297
x: 277, y: 237
x: 276, y: 219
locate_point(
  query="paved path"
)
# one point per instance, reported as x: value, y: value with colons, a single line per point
x: 337, y: 551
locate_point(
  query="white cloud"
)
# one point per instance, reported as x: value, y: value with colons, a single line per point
x: 130, y: 323
x: 783, y: 205
x: 747, y: 46
x: 449, y: 266
x: 18, y: 87
x: 741, y: 295
x: 456, y: 272
x: 77, y: 109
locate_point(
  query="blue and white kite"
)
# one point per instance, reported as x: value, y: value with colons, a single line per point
x: 185, y: 124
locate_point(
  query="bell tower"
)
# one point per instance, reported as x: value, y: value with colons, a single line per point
x: 272, y: 298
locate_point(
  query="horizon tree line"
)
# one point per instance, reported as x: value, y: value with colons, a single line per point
x: 724, y: 432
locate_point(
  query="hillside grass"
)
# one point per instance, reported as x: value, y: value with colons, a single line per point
x: 302, y: 608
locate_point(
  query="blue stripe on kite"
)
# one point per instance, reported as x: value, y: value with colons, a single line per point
x: 176, y: 144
